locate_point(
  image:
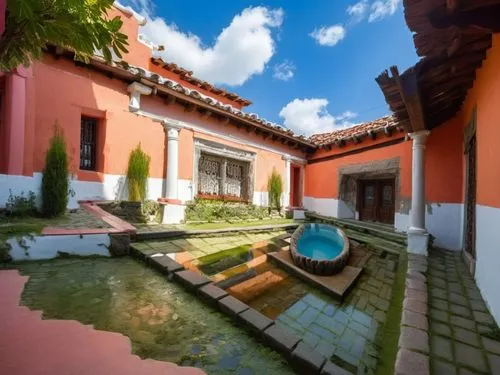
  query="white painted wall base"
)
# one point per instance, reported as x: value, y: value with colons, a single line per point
x: 260, y: 198
x: 322, y: 206
x: 488, y: 256
x: 418, y: 242
x: 344, y: 211
x: 299, y: 215
x: 114, y: 187
x: 47, y: 247
x: 185, y: 190
x: 443, y: 220
x: 173, y: 213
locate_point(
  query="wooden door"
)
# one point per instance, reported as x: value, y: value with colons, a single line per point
x: 377, y: 200
x: 368, y: 211
x: 295, y: 191
x: 386, y: 201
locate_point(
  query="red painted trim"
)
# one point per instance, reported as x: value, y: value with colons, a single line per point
x: 169, y: 201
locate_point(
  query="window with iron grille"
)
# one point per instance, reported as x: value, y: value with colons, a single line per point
x: 88, y: 143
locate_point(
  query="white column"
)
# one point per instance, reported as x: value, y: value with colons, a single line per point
x: 418, y: 237
x: 172, y: 160
x: 286, y: 200
x: 173, y: 211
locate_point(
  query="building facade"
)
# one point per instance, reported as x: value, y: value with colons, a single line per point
x: 429, y: 169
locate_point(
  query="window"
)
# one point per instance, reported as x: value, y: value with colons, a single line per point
x: 88, y: 143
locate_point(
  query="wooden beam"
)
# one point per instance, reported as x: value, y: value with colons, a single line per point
x: 169, y: 100
x: 225, y: 121
x: 206, y: 114
x: 409, y: 89
x: 190, y: 107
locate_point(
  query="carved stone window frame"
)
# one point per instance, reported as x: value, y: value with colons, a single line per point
x: 211, y: 148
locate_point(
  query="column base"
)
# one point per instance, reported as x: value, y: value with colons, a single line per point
x: 173, y: 213
x: 418, y: 241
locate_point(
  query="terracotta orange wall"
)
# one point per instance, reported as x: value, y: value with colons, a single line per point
x: 485, y: 96
x: 322, y: 178
x: 65, y: 92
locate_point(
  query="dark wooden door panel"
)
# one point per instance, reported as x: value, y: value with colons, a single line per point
x: 369, y: 201
x: 377, y: 201
x: 387, y: 202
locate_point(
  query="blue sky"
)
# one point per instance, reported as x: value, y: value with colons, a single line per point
x: 326, y: 77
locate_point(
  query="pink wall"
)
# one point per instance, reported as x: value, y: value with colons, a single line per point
x: 3, y: 6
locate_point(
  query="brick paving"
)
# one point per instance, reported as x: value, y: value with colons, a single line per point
x: 463, y: 336
x: 81, y: 219
x: 345, y: 332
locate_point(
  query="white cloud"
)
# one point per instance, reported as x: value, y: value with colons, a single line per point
x: 329, y: 36
x: 381, y: 9
x: 357, y: 11
x: 310, y: 116
x: 284, y: 71
x: 241, y: 50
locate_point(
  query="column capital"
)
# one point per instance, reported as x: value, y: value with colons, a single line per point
x: 419, y: 137
x: 286, y: 158
x: 171, y: 128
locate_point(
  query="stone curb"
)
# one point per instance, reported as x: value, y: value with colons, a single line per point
x: 413, y: 344
x: 144, y: 236
x: 302, y: 357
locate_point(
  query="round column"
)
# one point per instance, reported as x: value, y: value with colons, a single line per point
x: 417, y: 212
x: 286, y: 200
x: 172, y: 160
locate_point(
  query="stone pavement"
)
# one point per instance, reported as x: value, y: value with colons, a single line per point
x: 464, y: 338
x: 346, y: 332
x: 30, y: 345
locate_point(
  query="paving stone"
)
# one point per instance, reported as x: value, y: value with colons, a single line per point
x: 414, y: 339
x: 470, y: 356
x: 439, y: 283
x: 311, y: 338
x: 439, y: 315
x: 463, y: 323
x: 314, y: 301
x: 232, y: 306
x: 362, y: 318
x: 415, y: 294
x: 347, y: 339
x: 473, y: 294
x: 490, y: 345
x: 415, y: 320
x: 494, y: 361
x: 411, y: 363
x: 415, y: 305
x: 306, y: 359
x: 464, y: 371
x: 455, y: 288
x: 417, y: 285
x: 439, y: 304
x: 212, y: 293
x: 256, y: 321
x: 416, y: 275
x: 466, y: 336
x: 478, y: 306
x: 461, y: 311
x: 323, y: 333
x: 341, y: 317
x: 330, y: 368
x: 485, y: 329
x: 379, y: 316
x: 441, y: 347
x: 484, y: 318
x: 281, y: 339
x: 442, y: 368
x: 297, y: 309
x: 441, y: 329
x: 308, y: 316
x: 325, y: 348
x: 361, y: 329
x: 191, y: 280
x: 358, y: 347
x: 329, y: 310
x: 458, y: 299
x: 164, y: 264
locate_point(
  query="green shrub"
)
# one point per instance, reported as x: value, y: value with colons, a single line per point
x: 137, y: 174
x: 55, y: 181
x: 21, y: 205
x: 218, y: 210
x: 275, y: 189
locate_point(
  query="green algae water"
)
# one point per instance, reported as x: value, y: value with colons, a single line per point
x: 162, y: 320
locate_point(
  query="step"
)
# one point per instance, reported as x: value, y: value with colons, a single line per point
x: 384, y: 231
x: 375, y: 242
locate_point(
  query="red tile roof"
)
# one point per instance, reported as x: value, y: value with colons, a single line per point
x: 387, y: 124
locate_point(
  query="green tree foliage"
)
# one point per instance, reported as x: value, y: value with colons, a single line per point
x: 80, y: 25
x: 275, y: 189
x: 137, y: 174
x: 55, y: 181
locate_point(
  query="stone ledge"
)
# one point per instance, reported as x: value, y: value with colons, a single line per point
x: 256, y: 321
x: 232, y: 306
x: 211, y: 293
x: 305, y: 359
x: 332, y: 369
x: 414, y: 339
x: 415, y: 305
x: 164, y: 263
x: 416, y: 320
x: 411, y: 363
x: 281, y: 339
x: 191, y: 280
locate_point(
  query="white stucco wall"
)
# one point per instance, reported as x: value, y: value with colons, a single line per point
x: 113, y: 187
x: 323, y: 206
x: 47, y: 247
x: 488, y: 256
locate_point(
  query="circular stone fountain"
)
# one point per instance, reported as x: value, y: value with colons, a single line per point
x: 319, y: 249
